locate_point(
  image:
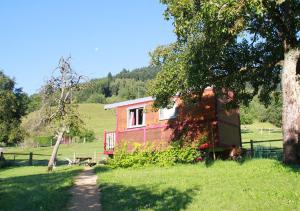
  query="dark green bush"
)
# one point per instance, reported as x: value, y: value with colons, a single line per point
x: 83, y: 134
x: 149, y: 155
x: 88, y: 135
x: 44, y: 141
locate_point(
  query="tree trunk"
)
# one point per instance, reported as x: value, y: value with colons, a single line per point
x: 291, y: 107
x: 55, y: 149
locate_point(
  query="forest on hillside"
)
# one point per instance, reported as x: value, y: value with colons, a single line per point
x: 125, y: 85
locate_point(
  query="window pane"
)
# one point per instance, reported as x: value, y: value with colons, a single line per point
x: 140, y: 116
x: 132, y: 117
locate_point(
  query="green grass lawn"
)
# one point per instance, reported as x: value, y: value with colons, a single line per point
x: 224, y: 185
x: 32, y: 188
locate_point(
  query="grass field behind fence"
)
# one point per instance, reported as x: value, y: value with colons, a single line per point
x: 41, y: 155
x: 260, y: 131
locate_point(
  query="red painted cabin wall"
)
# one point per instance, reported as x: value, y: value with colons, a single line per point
x: 192, y: 122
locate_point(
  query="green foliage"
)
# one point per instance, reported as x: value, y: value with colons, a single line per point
x: 257, y: 111
x: 139, y: 74
x: 149, y: 155
x: 230, y: 44
x: 89, y: 135
x: 34, y: 104
x: 44, y: 141
x: 13, y: 105
x: 123, y: 86
x: 273, y: 112
x: 96, y: 98
x: 246, y: 117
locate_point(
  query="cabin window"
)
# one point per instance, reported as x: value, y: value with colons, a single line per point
x: 168, y: 113
x: 136, y: 117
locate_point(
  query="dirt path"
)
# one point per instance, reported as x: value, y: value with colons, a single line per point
x: 85, y: 193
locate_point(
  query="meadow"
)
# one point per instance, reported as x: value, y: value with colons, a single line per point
x: 94, y: 116
x: 32, y: 188
x: 257, y: 184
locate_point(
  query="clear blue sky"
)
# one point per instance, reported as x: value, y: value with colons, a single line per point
x: 101, y: 36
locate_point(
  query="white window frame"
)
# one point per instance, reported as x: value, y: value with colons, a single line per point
x: 166, y: 109
x: 136, y: 108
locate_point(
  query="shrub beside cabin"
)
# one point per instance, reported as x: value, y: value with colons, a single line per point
x: 205, y: 118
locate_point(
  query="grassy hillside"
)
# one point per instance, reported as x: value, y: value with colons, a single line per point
x: 94, y: 116
x: 97, y: 119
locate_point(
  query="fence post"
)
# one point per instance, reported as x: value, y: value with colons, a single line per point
x: 1, y: 155
x: 252, y: 148
x: 30, y: 158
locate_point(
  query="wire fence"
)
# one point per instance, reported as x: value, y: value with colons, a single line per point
x: 271, y: 149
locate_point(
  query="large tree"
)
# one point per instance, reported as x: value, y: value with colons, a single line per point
x: 242, y: 45
x: 13, y: 105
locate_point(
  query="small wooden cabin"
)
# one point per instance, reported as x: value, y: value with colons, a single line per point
x: 137, y: 122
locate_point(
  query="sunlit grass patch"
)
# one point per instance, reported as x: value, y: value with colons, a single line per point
x: 225, y: 185
x: 32, y: 188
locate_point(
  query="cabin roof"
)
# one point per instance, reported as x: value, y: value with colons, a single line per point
x: 138, y: 100
x: 128, y: 102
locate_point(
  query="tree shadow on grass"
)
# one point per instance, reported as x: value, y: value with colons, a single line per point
x: 294, y: 168
x: 48, y: 191
x: 120, y: 197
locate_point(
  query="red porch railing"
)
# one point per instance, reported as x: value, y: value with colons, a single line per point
x: 109, y: 142
x: 157, y: 134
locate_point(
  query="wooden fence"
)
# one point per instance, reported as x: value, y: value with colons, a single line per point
x: 14, y: 155
x: 30, y: 158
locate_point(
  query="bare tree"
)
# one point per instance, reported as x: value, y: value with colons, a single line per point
x: 59, y: 109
